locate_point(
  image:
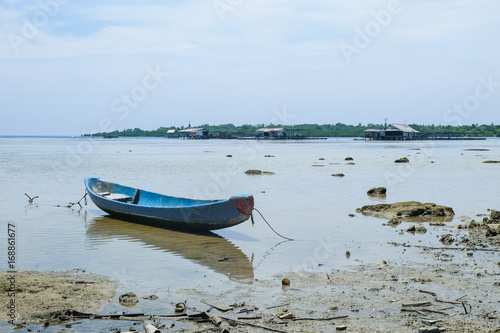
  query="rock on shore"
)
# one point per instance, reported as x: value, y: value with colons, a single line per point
x: 409, y: 210
x: 489, y: 227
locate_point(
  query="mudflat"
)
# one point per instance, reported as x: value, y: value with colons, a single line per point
x: 46, y: 297
x: 452, y: 290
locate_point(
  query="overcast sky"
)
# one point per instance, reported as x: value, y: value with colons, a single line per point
x: 70, y: 67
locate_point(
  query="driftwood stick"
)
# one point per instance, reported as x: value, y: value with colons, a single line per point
x: 249, y: 318
x: 412, y: 305
x: 177, y: 317
x: 219, y: 307
x: 421, y: 311
x: 197, y: 317
x: 448, y: 302
x: 430, y: 321
x: 253, y: 325
x: 128, y: 318
x: 435, y: 311
x: 71, y: 204
x: 329, y: 318
x: 277, y: 306
x: 115, y: 317
x: 427, y: 292
x: 465, y: 308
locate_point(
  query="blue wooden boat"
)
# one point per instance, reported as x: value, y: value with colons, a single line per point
x: 165, y: 211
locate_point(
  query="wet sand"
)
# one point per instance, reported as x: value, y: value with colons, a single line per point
x: 45, y: 297
x: 452, y: 291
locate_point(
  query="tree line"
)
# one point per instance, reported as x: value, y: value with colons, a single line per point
x: 314, y: 130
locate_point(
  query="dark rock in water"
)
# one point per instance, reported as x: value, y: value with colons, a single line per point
x: 377, y: 191
x: 229, y: 155
x: 447, y: 239
x: 409, y: 211
x: 402, y: 160
x: 394, y: 222
x: 411, y: 229
x: 151, y: 297
x: 437, y: 223
x: 472, y: 224
x: 495, y: 215
x: 370, y: 209
x: 417, y: 229
x: 128, y: 299
x: 258, y: 172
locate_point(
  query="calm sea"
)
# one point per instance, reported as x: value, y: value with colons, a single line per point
x: 301, y: 201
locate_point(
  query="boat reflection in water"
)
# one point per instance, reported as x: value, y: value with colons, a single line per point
x: 208, y: 249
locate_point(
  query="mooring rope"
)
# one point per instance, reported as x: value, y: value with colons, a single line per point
x: 277, y: 233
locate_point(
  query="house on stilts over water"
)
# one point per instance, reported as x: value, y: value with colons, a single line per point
x: 393, y: 132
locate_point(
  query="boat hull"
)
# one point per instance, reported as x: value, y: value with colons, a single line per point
x: 136, y: 205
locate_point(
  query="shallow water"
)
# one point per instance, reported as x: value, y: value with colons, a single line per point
x: 301, y: 201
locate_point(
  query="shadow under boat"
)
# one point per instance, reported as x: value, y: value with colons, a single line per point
x: 207, y: 249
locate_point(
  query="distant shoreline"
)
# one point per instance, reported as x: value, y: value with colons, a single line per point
x: 346, y: 138
x: 338, y: 130
x: 231, y: 131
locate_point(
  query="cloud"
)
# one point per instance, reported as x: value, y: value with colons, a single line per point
x: 237, y: 67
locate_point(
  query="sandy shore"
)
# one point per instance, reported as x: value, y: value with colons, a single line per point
x: 42, y: 297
